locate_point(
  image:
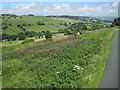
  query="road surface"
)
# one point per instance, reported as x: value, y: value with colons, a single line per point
x: 110, y: 75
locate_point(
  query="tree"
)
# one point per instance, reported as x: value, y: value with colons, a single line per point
x: 24, y: 24
x: 116, y: 22
x: 30, y: 15
x: 4, y: 27
x: 21, y: 36
x: 65, y: 24
x: 18, y: 25
x: 23, y: 29
x: 48, y: 35
x: 6, y: 36
x: 13, y: 37
x: 68, y: 32
x: 32, y: 34
x: 40, y: 34
x: 40, y: 23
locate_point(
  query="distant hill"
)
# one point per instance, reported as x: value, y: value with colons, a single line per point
x: 87, y: 18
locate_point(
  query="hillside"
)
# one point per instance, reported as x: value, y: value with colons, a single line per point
x: 71, y: 62
x: 65, y: 60
x: 20, y: 27
x: 12, y: 24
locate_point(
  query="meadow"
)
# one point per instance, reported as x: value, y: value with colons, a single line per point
x: 12, y: 25
x: 64, y: 62
x: 30, y: 24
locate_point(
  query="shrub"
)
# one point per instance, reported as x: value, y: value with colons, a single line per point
x: 18, y: 25
x: 24, y: 24
x: 116, y: 22
x: 30, y: 33
x: 13, y: 37
x: 4, y: 27
x: 40, y: 35
x: 48, y: 35
x: 21, y: 36
x: 27, y: 41
x: 39, y: 23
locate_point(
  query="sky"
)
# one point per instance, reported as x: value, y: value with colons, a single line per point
x: 60, y: 7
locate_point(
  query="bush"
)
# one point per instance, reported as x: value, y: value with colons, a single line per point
x: 40, y: 34
x: 19, y: 25
x: 48, y: 35
x: 30, y: 33
x: 24, y: 24
x: 116, y: 22
x: 13, y: 37
x: 21, y: 36
x: 28, y: 41
x: 4, y: 27
x: 39, y: 23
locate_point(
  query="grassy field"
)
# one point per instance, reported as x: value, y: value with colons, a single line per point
x: 52, y: 24
x: 69, y: 62
x: 13, y: 29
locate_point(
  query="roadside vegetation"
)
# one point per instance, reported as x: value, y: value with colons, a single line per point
x: 70, y: 62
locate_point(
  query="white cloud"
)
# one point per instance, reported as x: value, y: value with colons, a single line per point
x: 85, y: 5
x: 62, y: 9
x: 58, y: 0
x: 103, y: 10
x: 24, y: 8
x: 116, y: 3
x: 57, y: 9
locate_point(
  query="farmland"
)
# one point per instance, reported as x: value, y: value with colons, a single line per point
x: 12, y: 24
x: 64, y: 62
x: 30, y: 24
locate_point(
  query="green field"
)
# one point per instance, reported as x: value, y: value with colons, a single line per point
x: 29, y: 23
x: 64, y: 62
x: 13, y: 29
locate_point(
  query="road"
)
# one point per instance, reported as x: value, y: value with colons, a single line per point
x: 110, y: 75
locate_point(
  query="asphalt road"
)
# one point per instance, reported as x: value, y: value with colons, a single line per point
x: 110, y: 75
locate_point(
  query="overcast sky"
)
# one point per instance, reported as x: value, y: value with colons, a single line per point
x: 76, y: 8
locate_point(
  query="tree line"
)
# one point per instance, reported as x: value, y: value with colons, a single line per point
x: 116, y: 22
x: 22, y: 36
x: 79, y: 27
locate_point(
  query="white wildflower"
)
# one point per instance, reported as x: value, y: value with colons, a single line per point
x: 87, y: 78
x: 57, y: 72
x: 77, y: 67
x: 90, y: 77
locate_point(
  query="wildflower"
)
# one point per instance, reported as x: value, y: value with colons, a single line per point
x: 87, y: 78
x: 77, y: 67
x: 57, y: 72
x: 90, y: 77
